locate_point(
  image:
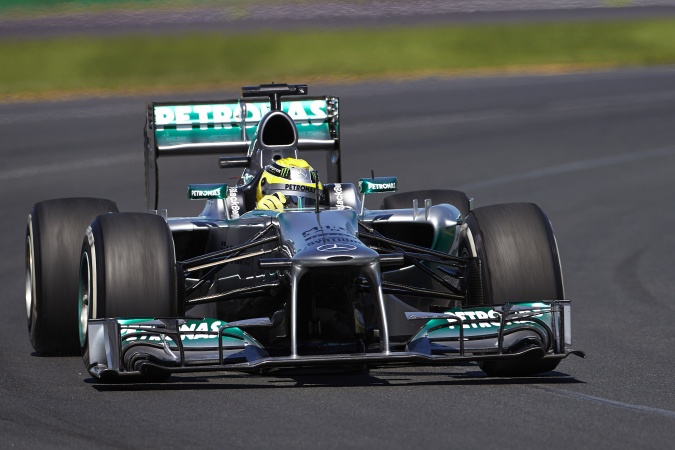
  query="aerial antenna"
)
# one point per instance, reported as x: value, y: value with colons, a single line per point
x: 316, y: 191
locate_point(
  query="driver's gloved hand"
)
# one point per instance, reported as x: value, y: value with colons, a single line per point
x: 272, y: 202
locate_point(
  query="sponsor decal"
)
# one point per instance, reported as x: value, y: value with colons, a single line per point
x: 206, y: 191
x: 372, y: 185
x: 185, y: 117
x: 329, y: 234
x: 203, y: 327
x: 193, y: 331
x: 234, y: 203
x: 332, y: 248
x: 299, y: 188
x: 473, y: 315
x: 334, y: 239
x: 211, y: 193
x: 383, y: 186
x: 492, y: 315
x: 301, y: 173
x: 339, y: 199
x: 282, y: 172
x: 326, y: 229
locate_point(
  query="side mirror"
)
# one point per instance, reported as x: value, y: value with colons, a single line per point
x: 206, y: 191
x: 374, y: 186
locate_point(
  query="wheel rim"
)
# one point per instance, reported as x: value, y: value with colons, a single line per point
x: 30, y: 277
x: 84, y: 297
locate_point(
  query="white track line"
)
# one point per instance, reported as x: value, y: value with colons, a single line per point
x: 576, y: 166
x: 50, y: 169
x: 607, y: 402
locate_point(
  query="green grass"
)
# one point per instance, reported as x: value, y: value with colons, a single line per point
x: 27, y: 4
x: 30, y: 7
x: 158, y: 63
x: 47, y: 6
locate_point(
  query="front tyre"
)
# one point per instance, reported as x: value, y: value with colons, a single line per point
x: 519, y: 261
x: 518, y: 253
x: 127, y: 269
x: 53, y: 240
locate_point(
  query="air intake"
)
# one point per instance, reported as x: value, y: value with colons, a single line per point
x: 278, y: 130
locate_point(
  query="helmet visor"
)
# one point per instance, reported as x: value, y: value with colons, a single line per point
x: 299, y: 202
x: 297, y: 196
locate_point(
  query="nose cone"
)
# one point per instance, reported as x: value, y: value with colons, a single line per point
x: 327, y: 238
x: 336, y: 253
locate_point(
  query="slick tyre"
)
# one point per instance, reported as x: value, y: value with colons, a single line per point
x: 517, y: 251
x: 127, y: 269
x: 403, y: 200
x: 519, y: 261
x: 518, y: 367
x: 53, y: 241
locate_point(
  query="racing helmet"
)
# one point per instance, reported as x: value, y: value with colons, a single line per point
x: 294, y: 178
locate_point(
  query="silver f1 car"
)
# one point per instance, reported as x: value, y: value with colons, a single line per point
x: 423, y: 280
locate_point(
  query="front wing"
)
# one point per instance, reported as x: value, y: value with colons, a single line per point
x: 141, y: 346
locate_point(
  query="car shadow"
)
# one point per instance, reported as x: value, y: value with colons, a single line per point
x: 374, y: 378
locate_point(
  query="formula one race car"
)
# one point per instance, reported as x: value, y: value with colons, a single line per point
x: 323, y: 283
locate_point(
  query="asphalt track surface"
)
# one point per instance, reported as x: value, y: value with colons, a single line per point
x: 595, y: 151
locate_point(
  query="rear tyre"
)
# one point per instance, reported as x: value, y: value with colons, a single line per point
x: 127, y: 269
x: 519, y: 261
x: 53, y: 242
x: 403, y: 200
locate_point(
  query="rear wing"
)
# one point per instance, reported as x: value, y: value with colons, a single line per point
x: 229, y: 127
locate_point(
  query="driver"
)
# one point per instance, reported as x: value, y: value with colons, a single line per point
x: 287, y: 183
